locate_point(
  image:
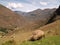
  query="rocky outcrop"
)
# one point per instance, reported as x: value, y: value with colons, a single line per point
x: 56, y: 15
x: 36, y: 35
x: 58, y: 11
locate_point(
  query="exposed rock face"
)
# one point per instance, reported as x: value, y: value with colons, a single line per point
x: 56, y: 15
x: 58, y: 11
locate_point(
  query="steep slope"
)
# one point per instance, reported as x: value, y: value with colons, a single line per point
x: 39, y: 17
x: 58, y: 11
x: 56, y: 15
x: 40, y: 14
x: 9, y: 20
x: 53, y: 28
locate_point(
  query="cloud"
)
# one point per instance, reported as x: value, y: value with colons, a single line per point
x: 25, y: 7
x: 14, y: 5
x: 29, y: 5
x: 44, y: 3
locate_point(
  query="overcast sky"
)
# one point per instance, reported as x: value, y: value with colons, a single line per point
x: 29, y: 5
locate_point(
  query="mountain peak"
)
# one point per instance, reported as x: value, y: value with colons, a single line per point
x: 58, y: 10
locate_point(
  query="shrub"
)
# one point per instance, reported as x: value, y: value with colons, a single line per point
x: 3, y: 30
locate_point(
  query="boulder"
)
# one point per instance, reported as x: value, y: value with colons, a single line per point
x: 36, y: 35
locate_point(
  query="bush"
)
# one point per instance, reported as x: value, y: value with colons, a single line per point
x: 3, y: 30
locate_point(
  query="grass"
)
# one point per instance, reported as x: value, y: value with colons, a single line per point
x: 51, y: 38
x: 54, y: 40
x: 54, y: 28
x: 10, y: 42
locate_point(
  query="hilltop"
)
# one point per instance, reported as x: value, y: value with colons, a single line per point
x: 10, y: 21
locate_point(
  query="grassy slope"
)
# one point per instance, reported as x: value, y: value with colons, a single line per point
x: 12, y: 21
x: 54, y: 28
x: 55, y: 40
x: 48, y: 40
x: 52, y: 38
x: 9, y: 18
x: 18, y: 37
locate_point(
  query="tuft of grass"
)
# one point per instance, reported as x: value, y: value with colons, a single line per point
x: 10, y: 42
x: 3, y: 29
x: 54, y: 40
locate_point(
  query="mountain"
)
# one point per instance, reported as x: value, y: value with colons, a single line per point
x: 22, y: 26
x: 10, y: 20
x: 20, y: 13
x: 58, y: 11
x: 41, y: 14
x: 38, y: 17
x: 54, y: 27
x: 30, y: 21
x: 56, y: 15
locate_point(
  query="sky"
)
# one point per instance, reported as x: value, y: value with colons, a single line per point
x: 29, y: 5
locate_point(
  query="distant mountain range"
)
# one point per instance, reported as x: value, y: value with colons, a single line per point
x: 38, y: 17
x: 27, y: 20
x: 16, y: 26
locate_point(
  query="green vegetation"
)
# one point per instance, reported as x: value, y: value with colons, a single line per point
x: 19, y: 28
x: 54, y: 40
x: 3, y: 30
x: 10, y: 42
